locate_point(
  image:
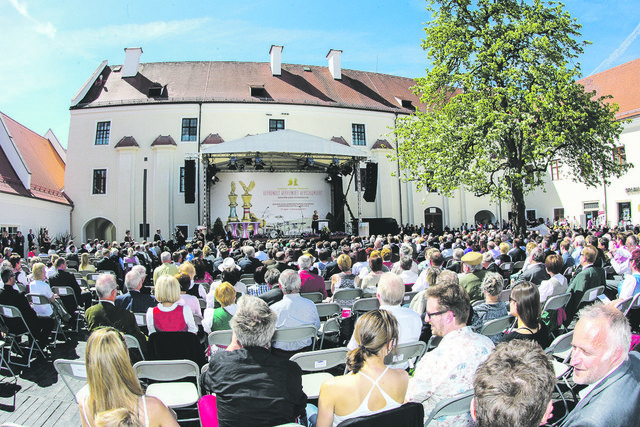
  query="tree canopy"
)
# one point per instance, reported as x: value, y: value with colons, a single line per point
x: 502, y: 102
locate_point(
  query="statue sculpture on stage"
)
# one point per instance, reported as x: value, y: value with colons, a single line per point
x: 246, y: 202
x: 233, y: 216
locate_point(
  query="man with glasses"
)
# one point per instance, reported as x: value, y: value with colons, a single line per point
x: 449, y: 369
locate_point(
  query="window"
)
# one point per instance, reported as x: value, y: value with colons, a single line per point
x: 181, y: 185
x: 99, y: 181
x: 357, y: 133
x: 102, y: 133
x: 276, y: 124
x: 189, y: 130
x: 558, y: 214
x: 530, y: 214
x: 556, y: 165
x: 620, y: 155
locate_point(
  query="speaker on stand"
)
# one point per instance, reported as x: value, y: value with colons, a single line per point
x: 371, y: 182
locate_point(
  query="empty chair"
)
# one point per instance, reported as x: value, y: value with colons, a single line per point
x: 68, y: 291
x: 72, y: 372
x: 329, y: 328
x: 318, y: 362
x: 347, y: 294
x: 328, y: 309
x: 171, y: 388
x: 14, y: 338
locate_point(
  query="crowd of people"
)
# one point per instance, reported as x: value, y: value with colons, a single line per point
x: 455, y: 281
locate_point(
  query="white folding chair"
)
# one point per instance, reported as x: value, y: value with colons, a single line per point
x: 456, y: 405
x: 132, y: 342
x: 173, y: 393
x: 330, y: 327
x: 297, y: 333
x: 220, y: 338
x: 363, y: 305
x: 316, y: 297
x: 406, y: 352
x: 347, y: 294
x: 72, y: 371
x: 317, y: 362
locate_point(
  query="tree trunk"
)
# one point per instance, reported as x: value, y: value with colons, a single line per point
x: 518, y: 207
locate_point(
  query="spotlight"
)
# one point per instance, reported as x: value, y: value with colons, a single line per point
x: 346, y: 169
x: 248, y: 161
x: 215, y: 179
x: 308, y: 163
x: 328, y: 179
x: 271, y: 169
x: 232, y: 164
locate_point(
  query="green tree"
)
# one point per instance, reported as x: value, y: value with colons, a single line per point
x: 502, y: 102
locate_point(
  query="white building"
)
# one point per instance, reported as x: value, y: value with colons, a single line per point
x: 133, y: 126
x: 32, y: 182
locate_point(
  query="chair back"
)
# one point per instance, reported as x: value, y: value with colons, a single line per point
x: 456, y: 405
x: 411, y: 414
x: 316, y: 297
x: 561, y: 346
x: 365, y: 304
x: 328, y: 309
x: 591, y: 294
x: 175, y: 346
x: 505, y: 295
x: 408, y: 296
x: 82, y: 282
x: 320, y: 360
x: 221, y: 338
x: 37, y: 299
x: 496, y: 326
x: 347, y: 294
x: 404, y: 352
x: 64, y: 291
x: 167, y: 370
x: 132, y: 342
x: 71, y: 370
x: 141, y: 319
x: 477, y: 303
x: 506, y: 266
x: 517, y: 266
x: 556, y: 302
x: 205, y: 285
x: 10, y: 312
x: 297, y: 333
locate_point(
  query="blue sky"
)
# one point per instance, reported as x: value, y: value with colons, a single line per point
x: 49, y: 49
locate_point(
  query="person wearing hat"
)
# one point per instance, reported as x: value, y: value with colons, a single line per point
x: 472, y: 275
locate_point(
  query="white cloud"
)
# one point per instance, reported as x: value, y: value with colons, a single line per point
x: 619, y: 51
x: 42, y: 27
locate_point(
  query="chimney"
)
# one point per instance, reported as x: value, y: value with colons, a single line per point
x: 131, y: 61
x: 276, y: 59
x: 334, y: 64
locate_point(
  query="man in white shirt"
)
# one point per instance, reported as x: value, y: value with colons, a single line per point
x: 390, y: 293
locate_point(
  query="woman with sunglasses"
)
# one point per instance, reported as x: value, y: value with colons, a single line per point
x: 524, y: 304
x: 371, y: 387
x: 112, y: 384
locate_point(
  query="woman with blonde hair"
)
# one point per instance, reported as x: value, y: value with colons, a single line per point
x: 169, y: 315
x: 85, y: 265
x: 217, y: 319
x: 39, y: 286
x: 371, y: 387
x: 112, y: 384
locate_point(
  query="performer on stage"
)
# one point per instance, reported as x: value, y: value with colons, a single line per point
x: 314, y: 222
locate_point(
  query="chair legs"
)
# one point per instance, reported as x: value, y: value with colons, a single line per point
x: 15, y: 342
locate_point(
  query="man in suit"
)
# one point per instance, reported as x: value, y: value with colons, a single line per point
x: 105, y: 313
x: 602, y: 361
x: 517, y: 253
x: 134, y: 300
x: 249, y: 263
x: 61, y: 277
x: 536, y: 272
x: 40, y: 327
x: 590, y: 277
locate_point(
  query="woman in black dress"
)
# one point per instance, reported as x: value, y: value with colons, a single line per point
x: 524, y: 304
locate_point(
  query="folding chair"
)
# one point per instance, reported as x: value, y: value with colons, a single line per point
x: 141, y: 319
x: 132, y: 342
x: 477, y: 303
x: 496, y: 326
x: 75, y: 370
x: 318, y: 362
x: 328, y: 309
x: 297, y: 333
x: 505, y: 295
x: 560, y: 352
x: 406, y: 352
x: 363, y: 305
x: 316, y: 297
x: 15, y: 339
x: 173, y: 393
x: 456, y: 405
x: 590, y: 295
x: 408, y: 296
x: 411, y: 414
x: 517, y: 266
x: 79, y: 311
x: 556, y: 302
x: 330, y: 327
x: 37, y: 299
x: 347, y: 294
x: 5, y: 364
x: 220, y: 338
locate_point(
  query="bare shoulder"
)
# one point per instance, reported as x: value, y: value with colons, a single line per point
x: 159, y: 414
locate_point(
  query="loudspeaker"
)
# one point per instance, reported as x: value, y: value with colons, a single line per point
x: 371, y: 182
x: 337, y: 204
x: 189, y: 181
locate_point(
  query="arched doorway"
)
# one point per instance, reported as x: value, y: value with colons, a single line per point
x: 433, y: 219
x: 484, y: 217
x: 99, y: 228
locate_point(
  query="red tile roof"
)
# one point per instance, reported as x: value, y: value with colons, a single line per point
x: 164, y: 140
x: 232, y: 82
x: 381, y: 143
x: 623, y: 83
x: 213, y: 139
x: 127, y: 141
x: 43, y: 161
x: 340, y: 140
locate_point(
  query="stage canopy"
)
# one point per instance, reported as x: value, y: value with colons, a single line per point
x: 283, y: 150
